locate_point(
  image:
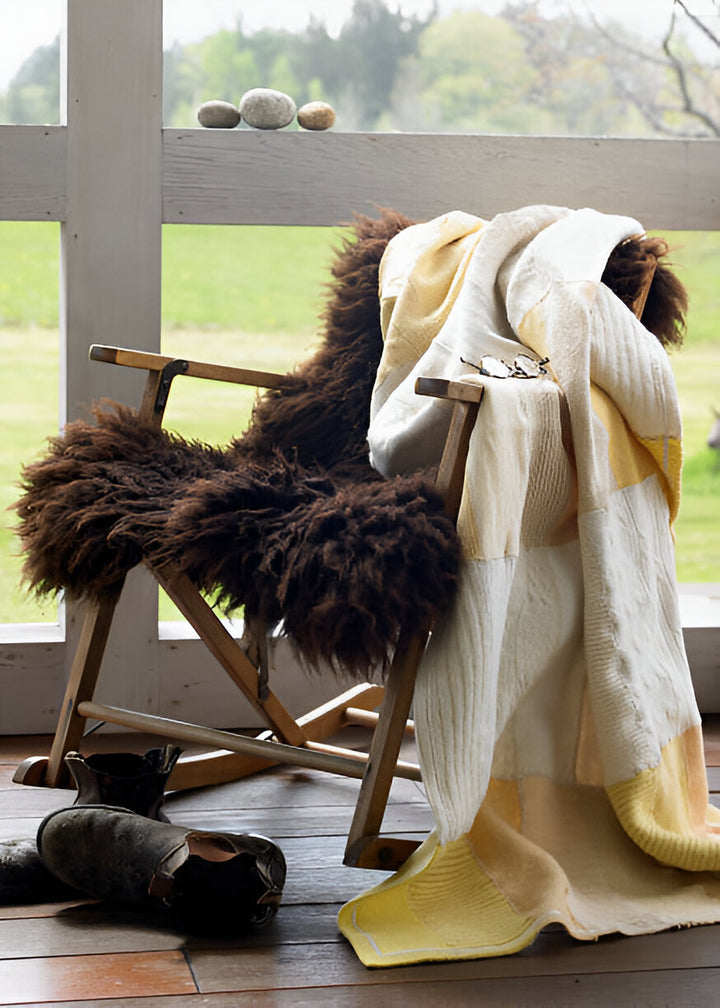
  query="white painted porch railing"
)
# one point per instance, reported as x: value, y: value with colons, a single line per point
x: 112, y: 176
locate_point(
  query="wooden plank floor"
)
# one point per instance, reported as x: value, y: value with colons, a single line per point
x: 89, y: 954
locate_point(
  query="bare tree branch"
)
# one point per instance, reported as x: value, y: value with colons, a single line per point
x: 654, y: 112
x: 689, y: 107
x: 623, y: 46
x: 669, y: 86
x: 697, y: 22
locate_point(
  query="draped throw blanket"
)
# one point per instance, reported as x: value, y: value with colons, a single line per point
x: 558, y: 732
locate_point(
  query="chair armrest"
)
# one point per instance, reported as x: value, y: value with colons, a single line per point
x: 445, y: 388
x: 467, y: 396
x: 193, y: 369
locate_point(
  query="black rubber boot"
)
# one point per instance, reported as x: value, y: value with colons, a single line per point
x: 126, y: 780
x: 214, y: 882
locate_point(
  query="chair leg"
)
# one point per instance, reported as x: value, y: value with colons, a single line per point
x: 365, y: 847
x: 51, y: 771
x: 228, y: 652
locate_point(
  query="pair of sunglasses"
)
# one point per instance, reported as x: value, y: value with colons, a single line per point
x: 523, y: 366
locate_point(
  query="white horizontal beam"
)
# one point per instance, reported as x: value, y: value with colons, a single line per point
x: 304, y: 178
x: 33, y: 172
x: 251, y: 177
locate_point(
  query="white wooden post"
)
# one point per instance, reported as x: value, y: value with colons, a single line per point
x: 111, y: 259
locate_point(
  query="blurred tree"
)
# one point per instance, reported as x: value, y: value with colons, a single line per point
x: 629, y: 86
x: 221, y: 66
x: 371, y: 45
x: 571, y: 79
x: 318, y: 62
x: 520, y: 72
x: 227, y: 65
x: 283, y: 78
x: 470, y: 74
x: 688, y: 102
x: 179, y: 82
x: 33, y: 95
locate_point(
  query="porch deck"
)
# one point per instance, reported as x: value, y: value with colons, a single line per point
x: 91, y: 954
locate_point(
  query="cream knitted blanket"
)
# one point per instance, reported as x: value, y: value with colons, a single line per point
x: 558, y: 732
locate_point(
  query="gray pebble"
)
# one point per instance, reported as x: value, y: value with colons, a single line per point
x: 316, y: 115
x: 218, y: 115
x: 265, y: 108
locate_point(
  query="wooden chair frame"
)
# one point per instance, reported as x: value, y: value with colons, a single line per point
x: 287, y: 740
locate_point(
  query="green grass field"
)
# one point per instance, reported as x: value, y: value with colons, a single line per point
x: 252, y: 297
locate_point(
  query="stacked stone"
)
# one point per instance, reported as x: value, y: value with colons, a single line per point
x: 266, y: 109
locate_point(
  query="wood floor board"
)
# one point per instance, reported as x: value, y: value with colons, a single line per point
x: 282, y: 788
x: 21, y: 802
x: 87, y: 929
x: 6, y: 776
x: 332, y: 885
x: 88, y: 977
x: 37, y: 910
x: 682, y: 988
x: 302, y: 924
x: 689, y: 989
x: 17, y: 807
x: 552, y: 954
x: 310, y: 852
x: 14, y: 748
x: 302, y: 822
x: 19, y: 829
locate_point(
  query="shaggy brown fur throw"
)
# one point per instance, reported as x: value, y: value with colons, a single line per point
x: 289, y: 519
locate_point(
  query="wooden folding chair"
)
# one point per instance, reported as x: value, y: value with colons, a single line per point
x: 287, y: 739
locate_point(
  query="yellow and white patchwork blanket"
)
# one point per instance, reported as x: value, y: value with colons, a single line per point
x: 558, y: 731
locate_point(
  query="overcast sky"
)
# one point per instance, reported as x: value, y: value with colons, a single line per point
x: 26, y: 24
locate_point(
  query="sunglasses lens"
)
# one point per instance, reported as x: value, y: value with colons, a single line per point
x: 495, y: 368
x: 528, y: 367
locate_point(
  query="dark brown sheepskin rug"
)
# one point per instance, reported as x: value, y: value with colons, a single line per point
x: 289, y: 520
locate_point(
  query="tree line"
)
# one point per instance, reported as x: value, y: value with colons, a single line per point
x: 516, y: 72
